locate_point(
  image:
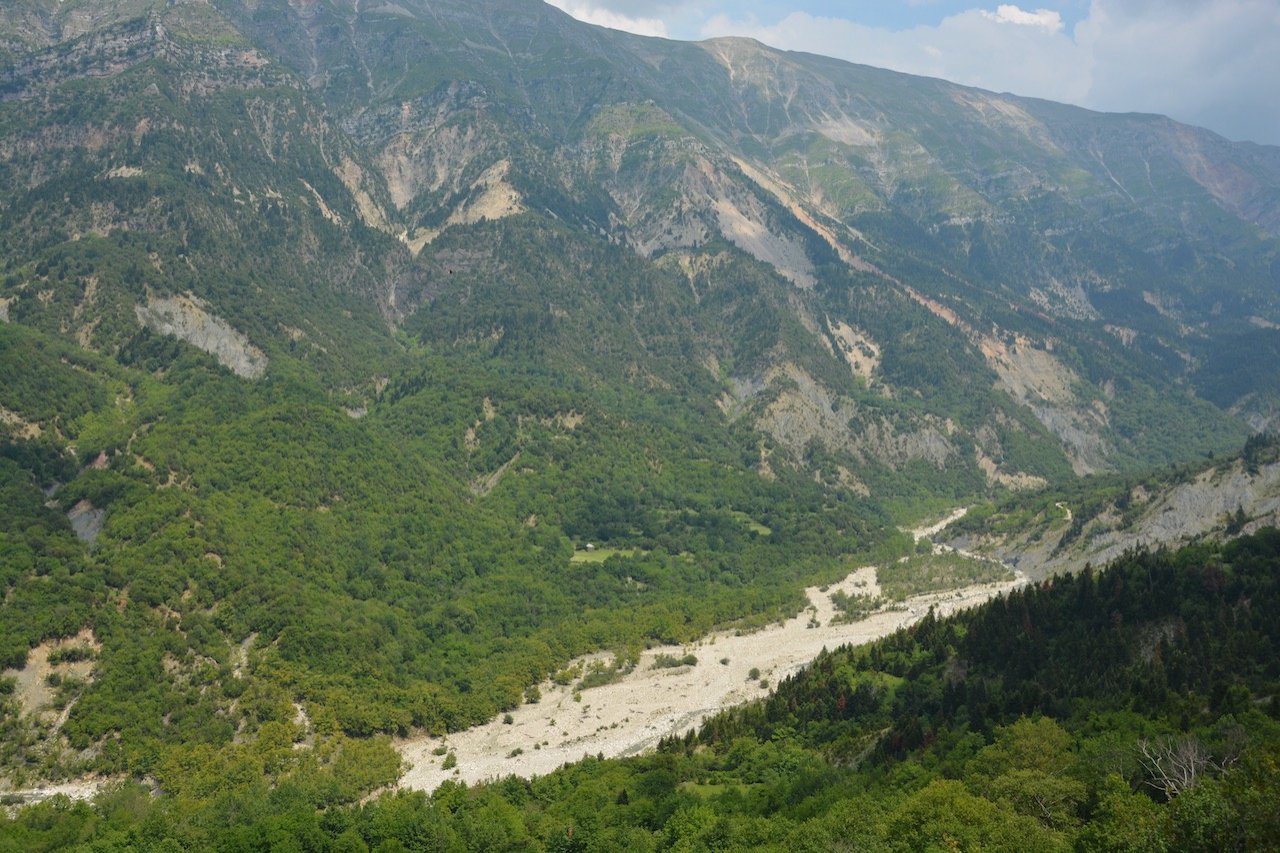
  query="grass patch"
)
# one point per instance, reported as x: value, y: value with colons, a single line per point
x: 599, y: 555
x: 751, y: 524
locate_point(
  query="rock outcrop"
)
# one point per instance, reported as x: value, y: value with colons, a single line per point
x: 187, y: 318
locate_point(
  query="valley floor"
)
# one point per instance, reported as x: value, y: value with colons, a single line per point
x: 633, y: 713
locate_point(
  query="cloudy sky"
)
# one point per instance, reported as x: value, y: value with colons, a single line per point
x: 1214, y: 63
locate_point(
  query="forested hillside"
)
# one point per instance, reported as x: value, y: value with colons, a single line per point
x: 362, y: 364
x: 1134, y: 708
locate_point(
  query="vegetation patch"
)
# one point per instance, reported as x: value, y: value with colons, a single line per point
x: 854, y: 608
x: 599, y: 555
x: 665, y: 661
x: 921, y: 573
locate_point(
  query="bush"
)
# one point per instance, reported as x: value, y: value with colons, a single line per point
x: 71, y: 654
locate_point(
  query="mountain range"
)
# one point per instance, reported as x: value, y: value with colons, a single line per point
x: 335, y: 330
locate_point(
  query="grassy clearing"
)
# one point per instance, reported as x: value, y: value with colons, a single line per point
x: 751, y: 524
x: 599, y: 555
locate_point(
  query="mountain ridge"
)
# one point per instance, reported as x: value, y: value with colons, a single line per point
x: 354, y: 324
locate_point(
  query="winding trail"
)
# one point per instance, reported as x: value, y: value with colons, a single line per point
x: 633, y: 713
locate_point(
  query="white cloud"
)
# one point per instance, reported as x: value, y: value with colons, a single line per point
x: 594, y: 14
x: 1212, y: 63
x: 1008, y: 13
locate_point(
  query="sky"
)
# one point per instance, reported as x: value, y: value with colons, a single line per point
x: 1212, y: 63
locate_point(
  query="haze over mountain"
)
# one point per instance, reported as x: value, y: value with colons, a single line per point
x: 1203, y: 62
x: 334, y: 331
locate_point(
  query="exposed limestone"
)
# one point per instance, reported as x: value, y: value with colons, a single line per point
x: 1038, y: 380
x: 419, y: 239
x: 492, y: 197
x: 125, y: 172
x: 87, y: 520
x: 1125, y: 335
x: 804, y: 411
x: 1035, y: 378
x: 862, y: 353
x: 847, y: 479
x: 1260, y: 411
x: 1065, y: 300
x: 241, y: 655
x: 998, y: 111
x: 788, y: 198
x: 1015, y: 481
x: 1179, y: 515
x: 325, y: 210
x: 430, y: 150
x: 496, y: 198
x: 745, y: 228
x: 707, y: 200
x: 353, y: 178
x: 18, y: 426
x: 1030, y: 373
x: 482, y: 486
x: 187, y: 318
x: 35, y: 694
x: 848, y: 131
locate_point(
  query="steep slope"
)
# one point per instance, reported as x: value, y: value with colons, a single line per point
x: 1097, y: 519
x: 338, y: 329
x: 164, y: 159
x: 1022, y: 235
x: 1133, y: 708
x: 847, y: 184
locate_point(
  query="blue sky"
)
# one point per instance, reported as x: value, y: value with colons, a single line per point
x: 1214, y: 63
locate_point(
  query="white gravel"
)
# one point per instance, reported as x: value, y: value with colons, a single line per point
x: 632, y: 714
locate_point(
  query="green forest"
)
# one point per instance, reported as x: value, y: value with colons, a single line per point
x: 1130, y: 709
x: 408, y: 570
x: 364, y: 365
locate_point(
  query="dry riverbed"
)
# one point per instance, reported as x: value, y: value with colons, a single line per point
x: 633, y: 713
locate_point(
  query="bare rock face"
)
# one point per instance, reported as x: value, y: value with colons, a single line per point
x: 1201, y: 506
x: 187, y: 318
x: 87, y: 520
x: 804, y: 411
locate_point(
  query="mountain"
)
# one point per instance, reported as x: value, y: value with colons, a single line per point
x: 334, y: 332
x: 1089, y: 274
